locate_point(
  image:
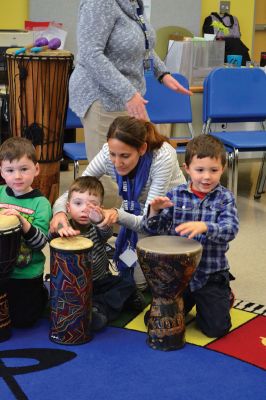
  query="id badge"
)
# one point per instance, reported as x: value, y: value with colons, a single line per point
x: 148, y: 65
x: 129, y: 257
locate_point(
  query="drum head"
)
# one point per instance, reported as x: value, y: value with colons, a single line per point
x: 8, y: 222
x: 74, y: 243
x: 168, y: 245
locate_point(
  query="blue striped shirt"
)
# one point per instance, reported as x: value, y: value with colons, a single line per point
x: 217, y: 209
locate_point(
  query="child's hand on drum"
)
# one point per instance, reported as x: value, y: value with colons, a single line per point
x: 67, y: 231
x: 158, y: 203
x: 191, y: 229
x: 9, y: 211
x: 24, y: 223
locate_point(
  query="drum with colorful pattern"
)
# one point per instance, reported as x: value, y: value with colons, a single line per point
x: 71, y: 290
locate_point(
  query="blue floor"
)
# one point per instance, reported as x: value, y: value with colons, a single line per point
x: 117, y: 364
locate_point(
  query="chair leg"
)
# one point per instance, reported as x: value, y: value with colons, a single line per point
x: 76, y: 169
x: 235, y: 172
x: 261, y: 179
x: 230, y: 171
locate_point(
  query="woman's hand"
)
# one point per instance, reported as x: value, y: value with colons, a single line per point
x: 174, y: 85
x: 59, y: 220
x: 110, y: 217
x: 136, y: 107
x: 60, y: 224
x: 192, y: 228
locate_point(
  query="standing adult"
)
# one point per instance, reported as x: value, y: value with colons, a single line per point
x: 144, y: 165
x: 115, y: 46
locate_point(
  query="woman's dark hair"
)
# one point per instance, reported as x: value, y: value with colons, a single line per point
x: 135, y: 133
x: 205, y: 146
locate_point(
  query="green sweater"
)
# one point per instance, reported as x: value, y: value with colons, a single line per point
x: 36, y: 209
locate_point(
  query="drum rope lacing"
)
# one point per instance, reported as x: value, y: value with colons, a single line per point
x: 41, y: 101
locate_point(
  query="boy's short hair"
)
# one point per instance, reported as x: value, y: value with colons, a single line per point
x: 205, y: 146
x: 17, y: 147
x: 87, y: 183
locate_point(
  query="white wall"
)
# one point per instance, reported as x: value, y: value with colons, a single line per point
x: 64, y: 11
x: 184, y: 13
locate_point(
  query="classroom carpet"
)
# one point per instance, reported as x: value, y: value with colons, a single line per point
x: 118, y: 364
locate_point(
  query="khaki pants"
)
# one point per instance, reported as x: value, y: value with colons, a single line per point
x: 96, y: 123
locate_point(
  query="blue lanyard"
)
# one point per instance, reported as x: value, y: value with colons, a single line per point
x: 141, y: 22
x: 127, y: 194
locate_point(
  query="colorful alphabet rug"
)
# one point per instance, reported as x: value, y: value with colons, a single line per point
x: 117, y: 364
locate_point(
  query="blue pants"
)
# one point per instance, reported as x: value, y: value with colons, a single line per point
x: 111, y: 293
x: 212, y: 305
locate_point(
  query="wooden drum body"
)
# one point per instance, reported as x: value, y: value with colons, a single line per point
x: 71, y: 290
x: 38, y: 98
x: 168, y: 263
x: 10, y: 234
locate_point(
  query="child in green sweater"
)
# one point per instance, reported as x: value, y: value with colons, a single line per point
x: 27, y: 295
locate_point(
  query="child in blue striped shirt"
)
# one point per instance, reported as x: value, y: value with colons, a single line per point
x: 206, y: 211
x: 111, y: 293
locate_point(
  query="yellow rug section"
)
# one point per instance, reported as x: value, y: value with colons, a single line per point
x: 193, y: 334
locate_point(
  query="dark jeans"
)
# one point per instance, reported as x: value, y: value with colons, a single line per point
x: 111, y: 293
x: 27, y: 299
x: 212, y: 305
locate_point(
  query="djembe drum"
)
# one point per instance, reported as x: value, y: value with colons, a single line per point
x: 10, y: 233
x: 38, y: 98
x: 168, y: 263
x: 71, y: 290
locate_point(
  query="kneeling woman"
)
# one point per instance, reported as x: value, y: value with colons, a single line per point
x: 144, y: 165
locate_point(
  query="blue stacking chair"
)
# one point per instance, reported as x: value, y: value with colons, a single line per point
x: 74, y: 151
x: 168, y: 107
x: 164, y: 107
x: 234, y: 95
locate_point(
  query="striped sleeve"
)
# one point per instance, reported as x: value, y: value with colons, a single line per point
x: 105, y: 234
x: 35, y: 238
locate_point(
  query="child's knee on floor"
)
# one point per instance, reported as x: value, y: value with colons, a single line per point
x: 216, y: 327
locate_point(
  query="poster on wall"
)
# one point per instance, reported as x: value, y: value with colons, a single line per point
x: 147, y: 8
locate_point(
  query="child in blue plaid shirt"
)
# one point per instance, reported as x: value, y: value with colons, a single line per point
x: 206, y: 211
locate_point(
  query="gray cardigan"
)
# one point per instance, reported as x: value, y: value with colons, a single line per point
x: 111, y: 49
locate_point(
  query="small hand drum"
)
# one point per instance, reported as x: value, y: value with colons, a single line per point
x: 10, y: 234
x: 71, y: 290
x: 168, y: 263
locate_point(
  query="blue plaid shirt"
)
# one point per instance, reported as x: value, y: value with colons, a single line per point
x: 217, y: 209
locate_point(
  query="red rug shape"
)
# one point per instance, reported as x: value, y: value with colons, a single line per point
x: 247, y: 343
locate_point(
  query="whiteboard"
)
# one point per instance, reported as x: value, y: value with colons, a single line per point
x: 162, y: 13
